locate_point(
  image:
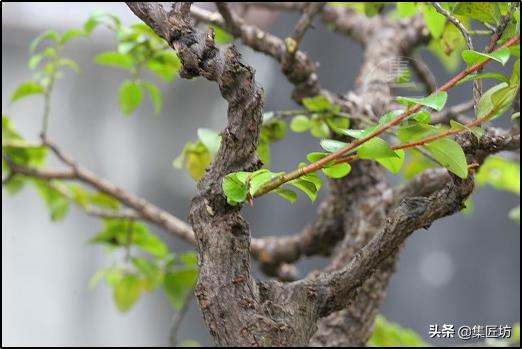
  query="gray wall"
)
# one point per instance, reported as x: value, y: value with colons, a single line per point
x: 463, y: 270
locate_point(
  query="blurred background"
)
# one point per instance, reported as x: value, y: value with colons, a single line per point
x: 464, y: 270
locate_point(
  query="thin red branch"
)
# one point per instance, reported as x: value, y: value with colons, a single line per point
x: 334, y: 156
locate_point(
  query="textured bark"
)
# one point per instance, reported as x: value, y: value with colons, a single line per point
x: 362, y: 222
x: 365, y: 189
x: 301, y: 73
x: 237, y: 310
x: 335, y: 307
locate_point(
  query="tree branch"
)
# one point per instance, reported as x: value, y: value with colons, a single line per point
x: 430, y: 196
x: 143, y: 208
x: 292, y: 42
x: 477, y: 85
x: 319, y: 164
x: 424, y: 74
x: 236, y: 309
x: 410, y: 215
x: 450, y: 113
x: 303, y: 73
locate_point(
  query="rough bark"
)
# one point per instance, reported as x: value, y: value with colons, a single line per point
x: 237, y: 310
x: 365, y: 189
x: 336, y: 306
x: 362, y: 214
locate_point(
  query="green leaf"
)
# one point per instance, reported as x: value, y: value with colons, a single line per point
x: 288, y: 194
x: 476, y: 131
x: 273, y: 130
x: 515, y: 76
x: 332, y: 145
x: 375, y: 148
x: 417, y: 163
x: 487, y: 12
x: 423, y: 117
x: 337, y: 122
x: 389, y: 334
x: 165, y: 64
x: 79, y: 195
x: 115, y: 59
x: 177, y: 284
x: 15, y: 184
x: 473, y: 57
x: 501, y: 174
x: 127, y: 292
x: 152, y: 274
x: 8, y: 130
x: 450, y: 154
x: 448, y: 47
x: 50, y: 52
x: 319, y: 128
x: 146, y: 241
x: 435, y: 101
x: 48, y: 35
x: 71, y: 34
x: 406, y: 9
x: 196, y: 157
x: 258, y: 180
x: 309, y: 188
x: 393, y: 164
x: 121, y: 233
x: 145, y: 266
x: 130, y: 96
x: 414, y: 130
x: 26, y: 89
x: 373, y: 8
x: 57, y: 203
x: 515, y: 116
x: 317, y: 104
x: 35, y: 60
x: 503, y: 99
x: 495, y: 101
x: 389, y: 116
x: 312, y: 178
x: 300, y: 123
x: 96, y: 278
x: 30, y: 156
x: 112, y: 276
x: 482, y: 76
x: 104, y: 201
x: 357, y: 134
x: 263, y: 152
x: 234, y: 189
x: 221, y: 37
x: 155, y: 95
x: 338, y: 170
x: 455, y: 125
x: 189, y: 258
x: 100, y: 17
x: 69, y: 63
x: 434, y: 21
x: 315, y: 156
x: 210, y: 138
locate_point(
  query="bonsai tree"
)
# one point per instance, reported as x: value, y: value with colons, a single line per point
x: 440, y: 153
